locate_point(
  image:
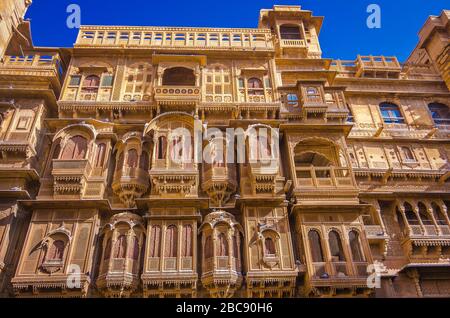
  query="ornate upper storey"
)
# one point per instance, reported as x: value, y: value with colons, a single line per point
x: 186, y: 162
x: 179, y: 39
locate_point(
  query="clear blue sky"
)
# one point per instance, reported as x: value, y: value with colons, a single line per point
x: 344, y: 33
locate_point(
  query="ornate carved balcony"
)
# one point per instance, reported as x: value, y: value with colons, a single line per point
x: 263, y: 177
x: 175, y: 38
x: 221, y: 261
x: 318, y: 181
x: 378, y: 66
x: 337, y: 279
x: 69, y: 177
x: 427, y: 243
x: 51, y: 286
x: 35, y: 65
x: 293, y: 43
x: 122, y: 240
x: 375, y: 232
x: 130, y: 184
x: 293, y: 46
x: 219, y: 183
x: 172, y: 179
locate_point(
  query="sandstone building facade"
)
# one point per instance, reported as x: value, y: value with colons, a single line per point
x: 89, y: 193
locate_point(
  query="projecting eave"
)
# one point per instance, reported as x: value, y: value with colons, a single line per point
x: 305, y: 63
x: 104, y: 129
x: 148, y: 203
x: 302, y: 127
x: 424, y: 265
x: 100, y: 205
x: 300, y: 75
x: 326, y: 207
x: 289, y: 12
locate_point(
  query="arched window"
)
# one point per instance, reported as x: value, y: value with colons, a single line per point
x: 308, y: 159
x: 162, y: 148
x: 312, y: 93
x: 132, y: 158
x: 91, y: 84
x: 100, y: 157
x: 401, y: 222
x: 235, y: 246
x: 55, y: 155
x: 209, y: 252
x: 222, y: 245
x: 264, y: 147
x: 355, y: 246
x: 56, y: 151
x: 424, y: 216
x: 177, y: 148
x: 155, y: 241
x: 134, y: 251
x: 292, y: 100
x: 255, y: 86
x: 408, y: 154
x: 107, y: 254
x: 391, y: 113
x: 143, y: 163
x: 269, y: 247
x: 171, y: 241
x: 120, y: 248
x: 336, y: 249
x: 75, y: 149
x: 315, y: 245
x: 290, y: 32
x: 120, y: 162
x: 186, y: 249
x: 179, y: 76
x: 56, y: 251
x: 439, y: 113
x: 411, y: 217
x: 438, y: 215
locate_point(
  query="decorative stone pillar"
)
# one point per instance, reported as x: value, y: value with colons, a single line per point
x: 415, y: 276
x: 416, y: 211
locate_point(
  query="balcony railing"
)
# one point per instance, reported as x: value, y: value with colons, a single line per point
x: 132, y: 175
x: 71, y: 167
x: 336, y: 270
x: 339, y: 269
x: 430, y: 230
x: 177, y: 94
x: 188, y: 38
x: 220, y: 173
x: 38, y: 61
x: 374, y: 231
x: 319, y: 269
x: 293, y: 43
x: 360, y: 269
x: 378, y: 62
x: 324, y: 177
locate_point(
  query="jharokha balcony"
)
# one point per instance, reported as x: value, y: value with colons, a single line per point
x: 130, y: 183
x: 337, y: 266
x: 221, y: 260
x: 425, y: 231
x: 35, y: 65
x: 219, y: 182
x: 376, y: 66
x: 70, y: 176
x: 174, y: 38
x: 315, y: 181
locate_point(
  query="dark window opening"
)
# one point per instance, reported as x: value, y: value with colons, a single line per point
x: 179, y: 76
